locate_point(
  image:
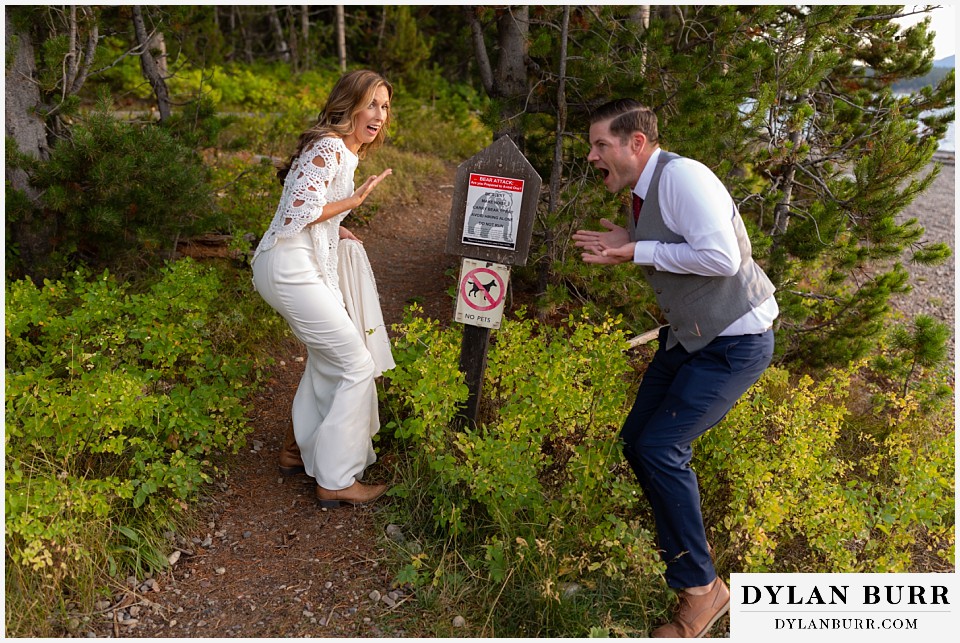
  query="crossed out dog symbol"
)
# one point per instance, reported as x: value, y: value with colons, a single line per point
x: 475, y: 286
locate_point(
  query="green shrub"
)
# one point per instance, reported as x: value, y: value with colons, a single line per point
x: 537, y: 497
x: 436, y: 117
x: 247, y: 192
x: 798, y: 483
x: 618, y: 290
x: 121, y: 194
x: 118, y: 406
x: 270, y: 107
x: 534, y: 519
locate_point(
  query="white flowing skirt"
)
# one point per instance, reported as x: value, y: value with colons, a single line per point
x: 335, y: 408
x: 359, y: 289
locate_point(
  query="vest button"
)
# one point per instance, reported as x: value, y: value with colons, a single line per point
x: 676, y: 328
x: 666, y: 311
x: 650, y: 271
x: 659, y: 291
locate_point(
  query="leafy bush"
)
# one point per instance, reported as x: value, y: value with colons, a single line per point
x: 424, y: 129
x: 118, y: 193
x: 247, y: 192
x: 117, y: 406
x: 270, y: 108
x: 801, y: 484
x: 620, y: 290
x: 436, y: 117
x: 535, y: 515
x: 260, y: 86
x: 537, y: 497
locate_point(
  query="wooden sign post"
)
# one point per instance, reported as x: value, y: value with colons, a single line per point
x: 491, y: 222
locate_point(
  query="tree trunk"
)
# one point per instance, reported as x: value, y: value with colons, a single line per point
x: 341, y: 37
x: 641, y: 16
x: 296, y: 56
x: 22, y: 98
x: 158, y: 44
x: 480, y: 50
x: 382, y: 30
x: 238, y: 21
x: 781, y: 213
x: 283, y: 51
x: 556, y: 172
x: 148, y: 64
x: 305, y: 35
x: 510, y: 81
x: 34, y: 233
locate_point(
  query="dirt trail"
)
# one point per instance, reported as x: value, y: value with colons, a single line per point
x: 266, y: 561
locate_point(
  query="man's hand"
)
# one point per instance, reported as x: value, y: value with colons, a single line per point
x: 611, y: 247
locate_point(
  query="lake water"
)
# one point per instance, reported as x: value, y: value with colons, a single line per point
x: 949, y: 142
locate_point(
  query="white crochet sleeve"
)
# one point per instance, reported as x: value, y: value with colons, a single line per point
x: 305, y: 190
x: 307, y: 184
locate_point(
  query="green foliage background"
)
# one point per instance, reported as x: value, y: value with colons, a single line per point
x: 127, y: 374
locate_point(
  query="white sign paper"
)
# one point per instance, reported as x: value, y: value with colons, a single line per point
x: 493, y: 211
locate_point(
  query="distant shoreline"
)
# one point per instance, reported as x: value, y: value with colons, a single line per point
x: 946, y: 157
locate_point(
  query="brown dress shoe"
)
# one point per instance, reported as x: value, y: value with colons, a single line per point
x: 290, y: 461
x: 696, y: 614
x: 355, y: 494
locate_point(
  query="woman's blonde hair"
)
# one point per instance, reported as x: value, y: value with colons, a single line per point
x: 352, y: 93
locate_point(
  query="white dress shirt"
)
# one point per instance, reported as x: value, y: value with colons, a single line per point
x: 697, y: 206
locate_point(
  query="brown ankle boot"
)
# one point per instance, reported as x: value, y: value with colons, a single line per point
x: 290, y: 461
x: 696, y: 614
x: 355, y: 494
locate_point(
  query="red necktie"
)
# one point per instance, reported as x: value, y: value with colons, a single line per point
x: 637, y: 204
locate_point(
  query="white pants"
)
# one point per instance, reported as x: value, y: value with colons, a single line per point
x: 335, y: 408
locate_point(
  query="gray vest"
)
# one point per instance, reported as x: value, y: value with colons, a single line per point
x: 698, y: 308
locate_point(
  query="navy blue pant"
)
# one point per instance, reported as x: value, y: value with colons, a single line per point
x: 681, y: 396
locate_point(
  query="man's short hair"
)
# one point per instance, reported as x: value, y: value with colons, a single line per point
x: 628, y: 116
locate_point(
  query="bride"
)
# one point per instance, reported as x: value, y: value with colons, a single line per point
x: 315, y: 273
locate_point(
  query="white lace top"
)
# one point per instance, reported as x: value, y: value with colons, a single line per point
x: 322, y: 173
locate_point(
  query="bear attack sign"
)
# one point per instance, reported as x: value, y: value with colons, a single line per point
x: 494, y: 205
x: 493, y: 216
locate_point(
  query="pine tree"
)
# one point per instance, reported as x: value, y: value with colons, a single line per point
x: 914, y: 351
x: 123, y: 194
x: 793, y: 109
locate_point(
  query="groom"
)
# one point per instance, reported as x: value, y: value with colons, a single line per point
x: 687, y: 238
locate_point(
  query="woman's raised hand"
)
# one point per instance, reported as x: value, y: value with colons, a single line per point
x: 364, y: 190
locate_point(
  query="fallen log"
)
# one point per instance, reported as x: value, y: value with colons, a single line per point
x: 645, y: 338
x: 209, y: 246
